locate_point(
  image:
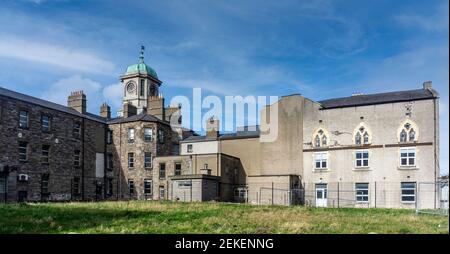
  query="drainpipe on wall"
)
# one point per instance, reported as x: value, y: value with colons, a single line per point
x: 82, y: 156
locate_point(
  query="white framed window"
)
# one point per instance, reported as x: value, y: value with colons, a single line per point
x: 23, y: 151
x: 320, y: 160
x: 109, y: 137
x: 148, y: 187
x: 130, y: 160
x: 408, y: 156
x: 362, y: 158
x: 45, y: 154
x: 131, y: 135
x: 148, y: 134
x: 76, y: 158
x: 23, y: 119
x: 161, y: 136
x: 408, y: 192
x: 362, y: 192
x: 148, y: 160
x: 45, y: 123
x: 131, y: 186
x: 162, y: 192
x: 189, y: 148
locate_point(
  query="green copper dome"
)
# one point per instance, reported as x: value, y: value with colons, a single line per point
x: 141, y: 68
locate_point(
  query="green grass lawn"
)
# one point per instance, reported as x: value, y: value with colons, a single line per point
x: 169, y: 217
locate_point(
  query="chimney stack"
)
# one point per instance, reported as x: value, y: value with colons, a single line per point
x: 427, y: 85
x: 212, y: 128
x: 155, y: 106
x: 129, y: 110
x: 77, y: 101
x: 105, y: 111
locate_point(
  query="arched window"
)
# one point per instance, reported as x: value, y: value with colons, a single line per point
x: 362, y: 135
x: 366, y: 138
x: 317, y: 141
x: 403, y: 136
x: 320, y: 138
x: 408, y: 132
x: 358, y: 138
x: 412, y: 135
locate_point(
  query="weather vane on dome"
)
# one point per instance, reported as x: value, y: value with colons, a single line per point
x: 142, y: 54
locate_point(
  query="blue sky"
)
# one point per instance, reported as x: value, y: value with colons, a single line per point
x: 321, y: 49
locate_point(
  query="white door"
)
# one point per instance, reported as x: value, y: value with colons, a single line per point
x: 321, y: 195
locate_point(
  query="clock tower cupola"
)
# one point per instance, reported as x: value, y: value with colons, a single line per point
x: 140, y: 82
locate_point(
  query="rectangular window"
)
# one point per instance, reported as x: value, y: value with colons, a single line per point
x: 162, y: 171
x: 23, y: 119
x: 408, y: 191
x: 131, y: 135
x: 141, y: 90
x: 148, y: 134
x: 76, y: 158
x: 408, y: 156
x: 109, y: 137
x: 131, y: 187
x: 23, y: 151
x: 320, y: 160
x: 110, y: 161
x: 162, y: 192
x: 182, y: 184
x: 45, y: 123
x: 2, y: 185
x: 76, y: 186
x: 45, y: 154
x: 161, y: 136
x: 148, y: 160
x: 44, y: 184
x: 109, y: 188
x: 362, y: 192
x: 147, y: 187
x: 177, y: 169
x: 189, y: 148
x: 362, y: 158
x: 130, y: 160
x: 76, y: 130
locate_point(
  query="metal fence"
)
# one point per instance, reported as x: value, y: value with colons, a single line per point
x: 424, y: 197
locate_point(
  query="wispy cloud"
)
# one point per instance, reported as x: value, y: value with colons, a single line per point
x: 438, y: 21
x: 56, y: 55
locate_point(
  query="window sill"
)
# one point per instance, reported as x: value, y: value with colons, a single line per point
x: 408, y: 202
x: 148, y: 168
x: 321, y: 170
x: 407, y: 168
x: 362, y: 169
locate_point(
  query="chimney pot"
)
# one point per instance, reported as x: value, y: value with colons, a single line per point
x: 427, y: 85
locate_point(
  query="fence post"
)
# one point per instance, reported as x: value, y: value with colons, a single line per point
x: 272, y: 193
x: 375, y: 194
x: 338, y: 194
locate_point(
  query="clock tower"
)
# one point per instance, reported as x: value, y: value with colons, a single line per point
x: 140, y: 82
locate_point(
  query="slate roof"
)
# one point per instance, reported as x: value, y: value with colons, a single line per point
x: 242, y: 132
x: 379, y: 98
x: 139, y: 117
x: 47, y: 104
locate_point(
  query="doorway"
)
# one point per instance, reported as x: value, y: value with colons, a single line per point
x: 321, y: 195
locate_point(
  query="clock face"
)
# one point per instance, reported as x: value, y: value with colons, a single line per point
x: 131, y: 87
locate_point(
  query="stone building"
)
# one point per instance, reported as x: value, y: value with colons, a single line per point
x: 360, y: 151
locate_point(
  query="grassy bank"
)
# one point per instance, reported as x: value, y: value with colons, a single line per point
x: 168, y: 217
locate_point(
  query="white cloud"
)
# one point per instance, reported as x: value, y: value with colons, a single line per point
x: 113, y: 95
x: 438, y: 22
x: 59, y: 91
x: 54, y: 55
